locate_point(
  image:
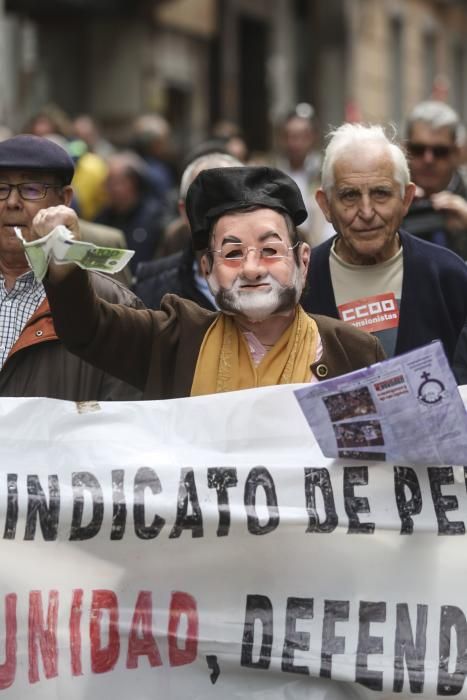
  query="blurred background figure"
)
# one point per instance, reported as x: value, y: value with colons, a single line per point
x: 89, y: 180
x: 298, y: 142
x: 53, y: 123
x: 89, y: 197
x: 439, y: 210
x: 85, y: 128
x: 300, y: 157
x: 151, y: 139
x: 233, y: 139
x: 180, y: 273
x: 132, y: 206
x: 50, y: 119
x: 462, y: 138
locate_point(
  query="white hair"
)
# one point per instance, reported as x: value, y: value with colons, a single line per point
x: 437, y: 115
x: 205, y: 162
x: 350, y: 136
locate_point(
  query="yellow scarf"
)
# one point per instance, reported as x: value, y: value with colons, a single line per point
x: 225, y: 364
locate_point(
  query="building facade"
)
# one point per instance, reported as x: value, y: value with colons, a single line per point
x: 248, y: 61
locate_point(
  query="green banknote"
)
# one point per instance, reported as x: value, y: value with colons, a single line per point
x: 92, y: 257
x: 37, y: 253
x: 60, y: 246
x: 38, y: 261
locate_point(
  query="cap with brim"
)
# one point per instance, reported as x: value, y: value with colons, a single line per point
x: 218, y: 191
x: 28, y: 152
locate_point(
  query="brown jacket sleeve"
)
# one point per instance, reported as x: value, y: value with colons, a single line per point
x: 155, y: 351
x: 113, y: 337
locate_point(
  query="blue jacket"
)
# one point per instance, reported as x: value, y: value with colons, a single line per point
x: 434, y: 293
x: 172, y: 274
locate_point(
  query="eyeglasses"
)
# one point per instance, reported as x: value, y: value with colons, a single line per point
x: 439, y: 151
x: 270, y: 252
x: 30, y: 191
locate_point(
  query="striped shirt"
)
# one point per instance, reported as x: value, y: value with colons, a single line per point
x: 17, y: 305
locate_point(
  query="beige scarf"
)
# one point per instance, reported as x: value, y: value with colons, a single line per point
x: 225, y: 364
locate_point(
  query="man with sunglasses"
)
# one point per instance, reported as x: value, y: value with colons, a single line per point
x: 35, y: 174
x: 244, y: 220
x: 438, y: 212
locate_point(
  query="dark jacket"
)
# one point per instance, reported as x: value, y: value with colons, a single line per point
x: 431, y: 224
x: 459, y: 364
x: 434, y: 293
x: 141, y: 226
x: 40, y: 365
x: 170, y: 275
x: 160, y: 348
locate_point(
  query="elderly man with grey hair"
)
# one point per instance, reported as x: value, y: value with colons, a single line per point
x: 373, y: 274
x: 438, y: 213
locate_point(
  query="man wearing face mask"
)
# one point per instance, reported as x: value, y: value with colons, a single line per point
x: 243, y: 219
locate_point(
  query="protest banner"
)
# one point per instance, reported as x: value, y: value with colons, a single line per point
x: 204, y: 548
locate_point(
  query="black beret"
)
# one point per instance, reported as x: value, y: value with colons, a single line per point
x: 30, y: 152
x: 217, y: 191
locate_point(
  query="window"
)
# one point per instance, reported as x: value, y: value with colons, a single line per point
x: 429, y: 63
x: 397, y: 73
x: 459, y: 76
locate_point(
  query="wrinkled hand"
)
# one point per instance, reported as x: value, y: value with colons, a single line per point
x: 44, y: 222
x: 47, y: 219
x: 454, y: 206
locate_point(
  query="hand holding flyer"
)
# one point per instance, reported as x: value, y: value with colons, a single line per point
x: 61, y: 247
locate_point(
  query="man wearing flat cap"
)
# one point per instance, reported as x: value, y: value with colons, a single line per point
x: 35, y: 174
x: 244, y: 220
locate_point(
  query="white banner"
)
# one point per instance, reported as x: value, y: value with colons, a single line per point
x: 203, y: 548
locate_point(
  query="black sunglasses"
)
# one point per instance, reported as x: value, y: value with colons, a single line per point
x: 439, y: 151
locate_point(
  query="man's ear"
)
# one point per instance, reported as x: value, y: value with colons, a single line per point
x: 409, y: 194
x: 204, y: 265
x: 67, y: 193
x: 182, y: 211
x: 323, y: 203
x: 305, y: 253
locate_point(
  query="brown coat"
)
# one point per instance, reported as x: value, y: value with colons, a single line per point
x: 156, y: 351
x: 39, y: 364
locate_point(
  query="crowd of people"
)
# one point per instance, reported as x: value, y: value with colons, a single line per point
x: 246, y: 272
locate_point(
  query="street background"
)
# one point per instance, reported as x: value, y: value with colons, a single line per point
x: 247, y: 61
